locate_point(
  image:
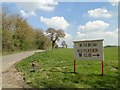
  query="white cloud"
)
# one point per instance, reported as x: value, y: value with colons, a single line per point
x: 80, y: 35
x: 95, y: 25
x: 99, y: 12
x: 68, y: 36
x: 45, y: 5
x: 102, y: 34
x: 110, y: 37
x: 97, y: 30
x: 68, y: 39
x: 114, y: 2
x: 24, y: 14
x: 48, y: 5
x: 55, y: 22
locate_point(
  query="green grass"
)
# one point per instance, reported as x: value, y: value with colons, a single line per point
x: 54, y: 69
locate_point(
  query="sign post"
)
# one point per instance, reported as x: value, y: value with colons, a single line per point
x: 89, y: 50
x: 102, y: 68
x: 74, y: 65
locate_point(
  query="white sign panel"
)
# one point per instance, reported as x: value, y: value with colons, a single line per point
x: 88, y: 50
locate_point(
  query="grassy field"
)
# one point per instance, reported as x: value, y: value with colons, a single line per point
x: 54, y: 69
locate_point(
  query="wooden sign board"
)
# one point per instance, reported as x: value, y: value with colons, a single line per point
x: 88, y: 50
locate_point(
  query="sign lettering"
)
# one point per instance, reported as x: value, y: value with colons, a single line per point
x: 88, y: 50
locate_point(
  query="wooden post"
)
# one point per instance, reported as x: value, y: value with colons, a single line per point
x: 74, y: 65
x: 102, y: 68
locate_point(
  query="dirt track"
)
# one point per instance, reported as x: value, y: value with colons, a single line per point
x: 10, y: 77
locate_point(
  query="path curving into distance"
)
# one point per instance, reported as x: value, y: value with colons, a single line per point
x: 8, y: 61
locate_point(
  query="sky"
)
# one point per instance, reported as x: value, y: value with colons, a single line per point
x: 79, y: 20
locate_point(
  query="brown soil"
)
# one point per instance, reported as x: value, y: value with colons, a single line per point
x: 11, y: 78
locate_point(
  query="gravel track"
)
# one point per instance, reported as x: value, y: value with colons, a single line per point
x: 10, y: 77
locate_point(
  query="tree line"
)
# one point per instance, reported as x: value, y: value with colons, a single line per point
x: 18, y: 35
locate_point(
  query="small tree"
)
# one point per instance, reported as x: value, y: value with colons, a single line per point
x: 55, y: 35
x: 63, y: 44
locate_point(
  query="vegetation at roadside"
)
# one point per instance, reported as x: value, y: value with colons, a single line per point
x: 54, y: 69
x: 18, y: 35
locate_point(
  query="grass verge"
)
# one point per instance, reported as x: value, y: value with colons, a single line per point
x: 54, y: 69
